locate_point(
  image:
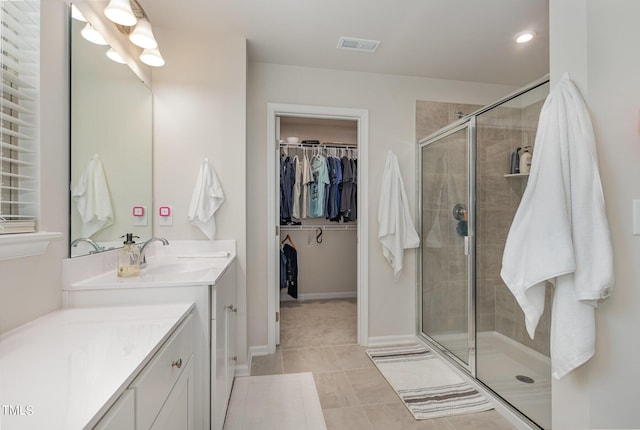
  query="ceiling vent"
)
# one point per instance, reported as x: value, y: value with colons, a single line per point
x: 362, y: 45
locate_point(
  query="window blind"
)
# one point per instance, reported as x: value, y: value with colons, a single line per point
x: 19, y: 120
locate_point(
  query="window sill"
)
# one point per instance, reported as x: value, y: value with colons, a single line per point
x: 25, y: 244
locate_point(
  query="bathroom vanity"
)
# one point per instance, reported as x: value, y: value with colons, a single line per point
x: 202, y: 272
x: 82, y: 369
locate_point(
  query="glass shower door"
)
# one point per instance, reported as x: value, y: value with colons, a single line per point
x: 446, y: 264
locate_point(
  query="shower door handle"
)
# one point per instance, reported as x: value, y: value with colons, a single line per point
x: 466, y: 245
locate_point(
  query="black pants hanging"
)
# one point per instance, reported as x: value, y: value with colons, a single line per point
x: 291, y: 270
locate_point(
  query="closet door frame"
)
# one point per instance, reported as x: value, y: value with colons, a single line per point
x: 275, y: 110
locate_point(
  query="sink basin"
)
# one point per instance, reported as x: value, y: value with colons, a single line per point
x: 178, y: 267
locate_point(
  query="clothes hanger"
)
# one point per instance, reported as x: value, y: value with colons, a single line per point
x: 288, y: 238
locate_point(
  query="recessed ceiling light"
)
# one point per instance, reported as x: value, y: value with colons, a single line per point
x: 524, y: 37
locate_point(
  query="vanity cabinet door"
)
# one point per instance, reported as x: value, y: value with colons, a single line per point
x: 121, y: 416
x: 178, y: 408
x: 224, y: 354
x: 156, y: 381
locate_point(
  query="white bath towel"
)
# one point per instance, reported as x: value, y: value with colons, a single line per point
x: 395, y: 228
x: 92, y: 199
x: 560, y: 231
x: 206, y: 199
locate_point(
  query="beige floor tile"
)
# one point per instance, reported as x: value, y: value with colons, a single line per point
x: 335, y: 390
x: 353, y: 357
x: 397, y: 417
x: 489, y: 420
x: 267, y: 364
x: 346, y: 419
x: 371, y: 387
x: 318, y: 323
x: 310, y: 360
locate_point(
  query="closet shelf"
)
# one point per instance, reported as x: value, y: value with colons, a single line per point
x: 322, y: 227
x: 516, y: 175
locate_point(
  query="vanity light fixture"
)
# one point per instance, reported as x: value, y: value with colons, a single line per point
x: 76, y: 14
x: 120, y: 12
x: 92, y: 35
x: 142, y: 35
x: 524, y: 37
x: 115, y: 56
x: 152, y: 57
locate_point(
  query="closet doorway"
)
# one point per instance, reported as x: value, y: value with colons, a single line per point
x: 341, y: 133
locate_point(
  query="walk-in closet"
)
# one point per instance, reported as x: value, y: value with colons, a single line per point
x: 318, y: 219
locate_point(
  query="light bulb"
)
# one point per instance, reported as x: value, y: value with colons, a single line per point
x: 152, y: 57
x: 119, y: 11
x: 115, y: 56
x: 142, y: 35
x: 92, y: 35
x: 524, y: 37
x: 76, y: 14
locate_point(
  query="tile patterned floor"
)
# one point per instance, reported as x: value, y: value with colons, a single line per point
x: 320, y: 337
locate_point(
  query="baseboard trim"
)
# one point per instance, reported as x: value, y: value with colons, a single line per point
x: 321, y: 296
x: 245, y: 369
x: 392, y: 340
x: 242, y: 370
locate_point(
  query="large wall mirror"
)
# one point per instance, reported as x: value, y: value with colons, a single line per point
x: 111, y: 149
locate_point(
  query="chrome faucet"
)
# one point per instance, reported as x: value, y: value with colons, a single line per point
x: 143, y: 260
x: 96, y: 247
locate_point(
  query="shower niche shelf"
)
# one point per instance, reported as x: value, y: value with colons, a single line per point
x: 516, y: 175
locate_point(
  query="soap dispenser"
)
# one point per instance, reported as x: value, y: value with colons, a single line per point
x: 525, y: 160
x: 129, y: 258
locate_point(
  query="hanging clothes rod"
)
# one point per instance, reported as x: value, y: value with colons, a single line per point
x: 321, y: 227
x: 321, y: 145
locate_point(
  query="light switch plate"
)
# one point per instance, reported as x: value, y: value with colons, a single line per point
x: 165, y: 215
x: 139, y: 214
x: 636, y: 217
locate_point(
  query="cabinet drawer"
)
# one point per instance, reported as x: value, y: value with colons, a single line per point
x: 155, y: 382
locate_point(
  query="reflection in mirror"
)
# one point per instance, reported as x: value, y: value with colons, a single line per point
x: 111, y: 149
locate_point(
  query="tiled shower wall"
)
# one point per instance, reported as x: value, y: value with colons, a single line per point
x: 500, y: 131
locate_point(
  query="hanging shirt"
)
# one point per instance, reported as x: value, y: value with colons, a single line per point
x: 317, y: 188
x: 287, y: 179
x: 335, y: 178
x: 307, y: 178
x: 346, y: 197
x: 297, y: 189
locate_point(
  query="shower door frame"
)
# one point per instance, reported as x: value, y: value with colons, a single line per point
x: 468, y: 123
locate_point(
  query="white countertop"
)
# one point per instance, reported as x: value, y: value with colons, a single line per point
x: 64, y: 370
x: 181, y: 263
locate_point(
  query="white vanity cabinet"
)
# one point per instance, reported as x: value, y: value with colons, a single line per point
x: 170, y: 370
x: 213, y: 337
x: 161, y: 396
x: 121, y: 416
x: 223, y: 324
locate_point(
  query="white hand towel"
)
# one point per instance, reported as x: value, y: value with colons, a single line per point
x: 206, y: 200
x: 395, y: 228
x: 560, y: 231
x: 92, y: 199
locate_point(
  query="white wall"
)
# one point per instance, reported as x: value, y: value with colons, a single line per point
x: 596, y: 42
x: 199, y: 107
x: 31, y: 287
x: 391, y: 104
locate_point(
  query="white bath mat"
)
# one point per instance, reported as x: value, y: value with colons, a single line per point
x: 275, y: 402
x: 426, y: 385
